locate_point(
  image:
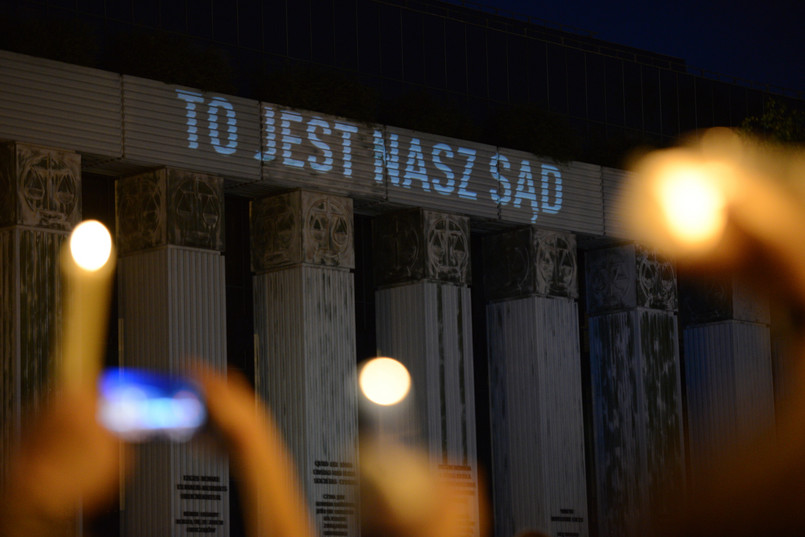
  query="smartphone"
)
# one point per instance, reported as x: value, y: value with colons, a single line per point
x: 140, y: 405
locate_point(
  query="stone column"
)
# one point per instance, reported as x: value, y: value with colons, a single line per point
x: 636, y: 394
x: 728, y: 368
x: 536, y: 417
x: 172, y: 308
x: 40, y: 203
x: 304, y: 316
x: 424, y: 319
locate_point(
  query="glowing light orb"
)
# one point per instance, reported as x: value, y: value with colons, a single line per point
x: 692, y: 203
x: 384, y: 381
x: 90, y: 245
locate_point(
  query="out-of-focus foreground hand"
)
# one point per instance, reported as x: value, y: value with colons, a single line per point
x: 274, y: 503
x: 759, y: 208
x: 66, y: 459
x: 402, y: 496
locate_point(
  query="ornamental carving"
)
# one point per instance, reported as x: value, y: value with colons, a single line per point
x: 328, y: 235
x: 611, y: 279
x: 170, y: 206
x: 727, y: 298
x: 704, y: 301
x: 275, y: 232
x: 8, y: 196
x: 448, y: 247
x: 530, y: 261
x: 140, y: 212
x: 302, y: 227
x: 416, y: 244
x: 556, y: 263
x: 508, y: 270
x: 196, y: 210
x: 41, y: 186
x: 627, y: 277
x: 398, y: 249
x: 656, y: 281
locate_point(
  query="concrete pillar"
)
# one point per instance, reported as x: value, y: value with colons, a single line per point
x: 171, y: 298
x: 728, y: 368
x: 536, y: 413
x: 40, y: 203
x: 636, y: 391
x: 304, y: 316
x: 424, y: 319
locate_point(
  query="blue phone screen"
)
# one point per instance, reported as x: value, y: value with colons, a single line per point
x: 138, y: 404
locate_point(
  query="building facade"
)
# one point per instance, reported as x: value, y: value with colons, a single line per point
x: 546, y: 348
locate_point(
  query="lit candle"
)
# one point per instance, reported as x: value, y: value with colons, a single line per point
x: 384, y: 381
x: 87, y: 266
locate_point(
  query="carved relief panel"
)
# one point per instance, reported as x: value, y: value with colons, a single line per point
x: 195, y: 210
x: 611, y: 279
x: 530, y: 261
x: 302, y: 227
x: 711, y: 300
x: 418, y: 244
x: 630, y: 276
x: 39, y: 186
x: 170, y: 206
x: 448, y: 247
x: 656, y: 280
x: 398, y: 248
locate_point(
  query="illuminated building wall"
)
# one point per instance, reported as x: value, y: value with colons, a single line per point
x: 728, y: 368
x: 172, y: 315
x: 41, y: 203
x: 635, y: 378
x: 538, y: 468
x: 424, y: 319
x: 304, y: 310
x: 475, y: 61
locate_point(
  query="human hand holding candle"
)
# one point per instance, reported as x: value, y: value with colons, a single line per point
x: 725, y: 205
x: 402, y: 494
x: 87, y: 265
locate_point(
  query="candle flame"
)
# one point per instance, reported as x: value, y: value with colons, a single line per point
x: 90, y: 245
x: 693, y: 204
x: 384, y: 381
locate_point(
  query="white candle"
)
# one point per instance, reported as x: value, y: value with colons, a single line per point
x: 87, y: 266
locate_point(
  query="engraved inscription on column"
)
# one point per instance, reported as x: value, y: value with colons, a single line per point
x: 530, y: 261
x: 170, y: 206
x: 301, y: 227
x: 335, y: 513
x: 41, y: 187
x: 463, y: 480
x: 209, y: 489
x: 418, y: 244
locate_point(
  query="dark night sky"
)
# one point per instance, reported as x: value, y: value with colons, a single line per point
x: 762, y: 41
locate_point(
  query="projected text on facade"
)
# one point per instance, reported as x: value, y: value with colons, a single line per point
x: 322, y: 146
